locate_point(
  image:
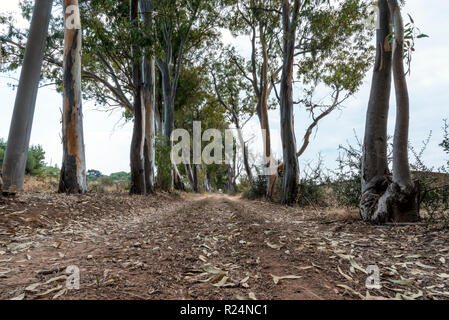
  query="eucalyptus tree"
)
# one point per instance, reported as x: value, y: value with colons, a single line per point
x: 106, y: 68
x: 234, y: 93
x: 290, y: 183
x: 191, y: 97
x: 195, y: 103
x: 330, y: 56
x: 20, y: 130
x: 181, y: 27
x: 385, y: 197
x: 149, y: 98
x: 137, y: 154
x: 260, y: 20
x: 73, y: 177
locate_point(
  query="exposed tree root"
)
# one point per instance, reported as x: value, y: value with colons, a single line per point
x: 385, y: 201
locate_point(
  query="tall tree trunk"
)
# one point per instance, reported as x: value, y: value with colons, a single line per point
x: 196, y: 186
x: 402, y: 199
x: 149, y: 101
x: 138, y: 185
x: 382, y: 199
x: 158, y: 115
x: 206, y: 179
x: 242, y: 143
x: 192, y: 176
x: 375, y: 173
x: 22, y: 119
x: 73, y: 171
x: 169, y: 118
x: 290, y: 184
x: 262, y: 112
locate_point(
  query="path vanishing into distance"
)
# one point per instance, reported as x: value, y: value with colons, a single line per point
x: 209, y: 246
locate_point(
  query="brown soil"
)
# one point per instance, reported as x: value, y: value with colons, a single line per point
x: 209, y: 247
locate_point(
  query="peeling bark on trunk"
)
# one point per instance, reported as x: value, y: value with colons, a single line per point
x: 386, y: 198
x: 138, y: 185
x: 149, y: 101
x: 290, y: 184
x: 22, y: 120
x: 73, y: 171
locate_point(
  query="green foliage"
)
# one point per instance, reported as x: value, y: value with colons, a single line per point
x: 51, y: 172
x: 258, y: 190
x: 2, y: 151
x: 93, y: 175
x: 35, y: 161
x: 411, y: 33
x: 218, y: 176
x: 115, y: 182
x: 163, y: 163
x: 120, y: 176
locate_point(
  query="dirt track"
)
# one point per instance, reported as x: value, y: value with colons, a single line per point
x: 208, y: 247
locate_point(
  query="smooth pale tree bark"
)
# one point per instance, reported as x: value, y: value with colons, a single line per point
x: 138, y: 185
x: 290, y: 183
x: 149, y: 88
x: 20, y: 130
x: 375, y: 172
x: 402, y: 197
x: 386, y: 198
x: 73, y: 170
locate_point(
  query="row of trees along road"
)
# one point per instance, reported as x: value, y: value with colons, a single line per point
x: 164, y: 65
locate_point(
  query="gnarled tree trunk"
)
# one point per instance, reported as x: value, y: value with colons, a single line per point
x: 290, y: 183
x: 383, y: 199
x: 73, y: 171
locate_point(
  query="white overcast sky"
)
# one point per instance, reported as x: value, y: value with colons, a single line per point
x: 107, y: 144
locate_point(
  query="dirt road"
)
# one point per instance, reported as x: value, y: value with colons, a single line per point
x: 208, y: 247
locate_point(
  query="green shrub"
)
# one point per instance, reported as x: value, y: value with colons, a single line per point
x: 120, y: 176
x: 35, y: 162
x: 258, y: 190
x: 93, y: 175
x: 346, y: 182
x: 163, y: 163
